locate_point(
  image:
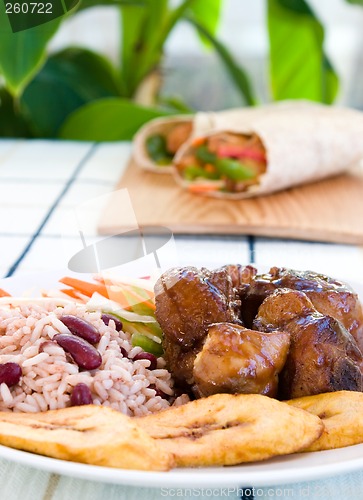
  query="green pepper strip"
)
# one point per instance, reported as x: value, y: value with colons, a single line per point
x: 146, y: 344
x: 156, y: 148
x: 233, y: 169
x: 193, y: 172
x: 203, y: 154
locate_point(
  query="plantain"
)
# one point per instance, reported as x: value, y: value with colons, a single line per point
x: 90, y: 434
x: 341, y: 413
x: 226, y: 429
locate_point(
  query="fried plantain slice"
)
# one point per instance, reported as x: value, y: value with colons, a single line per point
x: 341, y: 413
x: 226, y: 429
x: 90, y: 434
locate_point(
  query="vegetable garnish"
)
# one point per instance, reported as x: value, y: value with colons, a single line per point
x: 233, y: 169
x: 202, y: 188
x: 144, y: 329
x: 236, y: 151
x: 131, y: 301
x: 84, y: 287
x: 130, y: 296
x: 157, y: 149
x: 198, y: 141
x: 222, y: 162
x: 146, y: 344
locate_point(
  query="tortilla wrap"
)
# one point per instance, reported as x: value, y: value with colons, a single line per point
x: 202, y: 123
x: 304, y: 142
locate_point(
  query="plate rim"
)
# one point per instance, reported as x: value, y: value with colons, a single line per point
x: 239, y: 475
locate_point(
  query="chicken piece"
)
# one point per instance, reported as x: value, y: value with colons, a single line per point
x: 329, y: 296
x: 240, y: 275
x: 251, y: 141
x: 323, y: 355
x: 180, y: 361
x: 236, y: 360
x: 188, y: 300
x: 178, y: 135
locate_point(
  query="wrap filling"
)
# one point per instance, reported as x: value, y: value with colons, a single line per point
x: 225, y: 161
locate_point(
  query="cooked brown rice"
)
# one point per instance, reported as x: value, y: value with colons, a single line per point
x: 49, y: 374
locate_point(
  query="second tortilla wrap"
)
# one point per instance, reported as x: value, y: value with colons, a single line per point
x: 303, y: 142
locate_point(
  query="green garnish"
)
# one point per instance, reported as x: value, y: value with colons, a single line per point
x: 233, y: 169
x: 156, y: 148
x: 203, y: 154
x: 193, y: 172
x: 147, y: 344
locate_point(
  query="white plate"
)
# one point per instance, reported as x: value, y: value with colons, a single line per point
x: 280, y: 470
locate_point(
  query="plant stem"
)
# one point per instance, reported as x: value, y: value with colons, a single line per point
x: 152, y: 56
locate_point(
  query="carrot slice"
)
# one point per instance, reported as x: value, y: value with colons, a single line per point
x: 198, y: 141
x: 74, y: 294
x: 84, y: 286
x: 3, y: 293
x: 141, y: 300
x: 116, y: 290
x: 123, y: 295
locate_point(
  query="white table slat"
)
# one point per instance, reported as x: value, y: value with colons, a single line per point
x: 107, y: 162
x: 25, y: 194
x: 43, y: 160
x: 345, y: 261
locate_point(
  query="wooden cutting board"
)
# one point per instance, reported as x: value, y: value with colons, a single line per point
x: 329, y: 210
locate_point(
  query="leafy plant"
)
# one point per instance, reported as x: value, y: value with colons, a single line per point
x: 79, y: 94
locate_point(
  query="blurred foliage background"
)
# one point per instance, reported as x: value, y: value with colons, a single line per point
x: 78, y: 93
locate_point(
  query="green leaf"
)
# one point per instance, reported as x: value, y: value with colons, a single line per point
x: 330, y: 82
x: 23, y: 53
x: 357, y: 2
x: 86, y: 4
x: 107, y: 120
x: 175, y: 104
x: 142, y: 25
x: 299, y: 69
x: 68, y: 80
x: 207, y: 14
x: 12, y: 124
x: 237, y: 74
x: 133, y: 18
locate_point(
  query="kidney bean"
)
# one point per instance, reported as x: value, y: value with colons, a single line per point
x: 106, y: 318
x: 10, y: 374
x: 81, y: 328
x: 124, y: 352
x: 147, y: 355
x: 158, y: 392
x: 83, y: 353
x: 81, y: 395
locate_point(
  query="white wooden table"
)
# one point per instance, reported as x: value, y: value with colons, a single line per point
x: 40, y: 182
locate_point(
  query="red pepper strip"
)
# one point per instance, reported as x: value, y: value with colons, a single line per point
x: 202, y: 188
x: 235, y: 151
